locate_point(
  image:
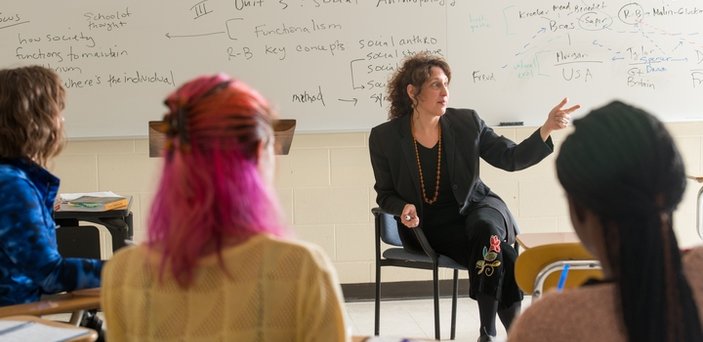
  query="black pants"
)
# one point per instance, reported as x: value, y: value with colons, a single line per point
x: 477, y: 241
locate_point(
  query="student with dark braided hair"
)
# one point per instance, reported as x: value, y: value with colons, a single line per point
x: 623, y: 177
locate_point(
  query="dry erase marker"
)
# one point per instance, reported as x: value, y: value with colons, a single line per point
x: 510, y: 123
x: 562, y: 278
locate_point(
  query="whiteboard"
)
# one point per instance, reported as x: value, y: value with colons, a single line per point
x: 325, y: 63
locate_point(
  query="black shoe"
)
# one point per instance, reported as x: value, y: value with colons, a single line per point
x: 486, y: 338
x: 91, y: 320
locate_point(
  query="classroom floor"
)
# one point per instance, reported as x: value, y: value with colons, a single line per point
x: 415, y: 319
x: 408, y: 318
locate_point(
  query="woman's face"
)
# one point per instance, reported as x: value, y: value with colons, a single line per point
x: 578, y: 221
x: 434, y: 94
x: 590, y: 231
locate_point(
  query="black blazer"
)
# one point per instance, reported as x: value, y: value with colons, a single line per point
x: 466, y: 138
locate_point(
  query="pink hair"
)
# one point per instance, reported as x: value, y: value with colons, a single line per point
x: 211, y: 191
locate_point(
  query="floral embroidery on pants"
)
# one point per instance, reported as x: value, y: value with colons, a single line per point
x: 490, y: 254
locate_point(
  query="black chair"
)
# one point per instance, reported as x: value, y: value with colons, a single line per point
x: 387, y: 232
x: 78, y: 241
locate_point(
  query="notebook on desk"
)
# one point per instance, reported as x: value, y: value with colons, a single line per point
x: 17, y: 330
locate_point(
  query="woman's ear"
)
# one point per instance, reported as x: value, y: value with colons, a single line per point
x: 265, y: 159
x: 410, y: 89
x: 264, y: 151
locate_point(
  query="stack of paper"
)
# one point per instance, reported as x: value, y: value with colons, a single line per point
x: 11, y: 330
x: 91, y: 201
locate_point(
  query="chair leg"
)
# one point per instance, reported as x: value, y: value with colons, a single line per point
x: 435, y: 283
x: 377, y: 308
x: 455, y: 293
x: 76, y: 317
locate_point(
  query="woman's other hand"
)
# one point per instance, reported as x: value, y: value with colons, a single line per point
x: 409, y: 216
x: 558, y: 118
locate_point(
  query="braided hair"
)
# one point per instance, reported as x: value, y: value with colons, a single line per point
x: 622, y: 164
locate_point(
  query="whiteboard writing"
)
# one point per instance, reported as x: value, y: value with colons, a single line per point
x: 326, y: 63
x: 648, y: 53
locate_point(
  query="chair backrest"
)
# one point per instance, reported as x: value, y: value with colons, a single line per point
x: 78, y: 242
x: 389, y: 229
x: 532, y: 262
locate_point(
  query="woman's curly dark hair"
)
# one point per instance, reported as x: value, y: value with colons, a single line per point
x: 415, y: 70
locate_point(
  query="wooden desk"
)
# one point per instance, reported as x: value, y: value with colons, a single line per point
x: 73, y: 302
x: 87, y: 335
x: 529, y: 240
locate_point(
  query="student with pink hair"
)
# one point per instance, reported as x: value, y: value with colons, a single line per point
x: 218, y: 265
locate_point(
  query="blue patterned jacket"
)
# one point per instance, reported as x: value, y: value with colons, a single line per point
x: 30, y: 263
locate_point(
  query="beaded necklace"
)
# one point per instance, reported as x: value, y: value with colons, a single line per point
x: 419, y: 167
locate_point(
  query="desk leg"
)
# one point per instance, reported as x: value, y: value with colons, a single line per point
x: 130, y: 226
x: 76, y: 317
x: 119, y: 229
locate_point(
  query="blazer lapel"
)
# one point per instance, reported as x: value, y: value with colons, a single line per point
x: 408, y: 149
x: 448, y: 144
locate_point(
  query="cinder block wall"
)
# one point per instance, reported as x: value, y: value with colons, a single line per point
x: 325, y: 186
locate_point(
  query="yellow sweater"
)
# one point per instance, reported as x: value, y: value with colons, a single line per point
x: 272, y: 290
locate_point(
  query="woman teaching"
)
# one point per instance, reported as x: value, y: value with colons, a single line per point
x: 426, y: 165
